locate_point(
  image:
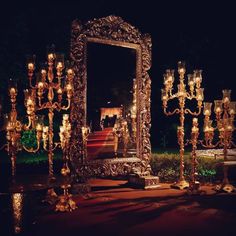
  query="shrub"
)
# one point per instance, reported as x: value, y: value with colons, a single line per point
x: 28, y: 139
x: 167, y: 167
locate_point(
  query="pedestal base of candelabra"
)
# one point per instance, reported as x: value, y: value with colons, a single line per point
x: 195, y: 189
x: 181, y: 184
x: 227, y: 188
x: 51, y: 197
x: 65, y: 203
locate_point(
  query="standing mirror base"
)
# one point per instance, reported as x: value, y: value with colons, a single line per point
x: 145, y: 182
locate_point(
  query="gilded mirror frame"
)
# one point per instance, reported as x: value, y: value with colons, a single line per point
x: 114, y: 31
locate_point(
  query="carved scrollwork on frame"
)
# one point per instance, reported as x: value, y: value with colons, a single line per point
x: 111, y: 30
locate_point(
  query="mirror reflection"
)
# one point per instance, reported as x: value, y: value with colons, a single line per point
x: 111, y: 102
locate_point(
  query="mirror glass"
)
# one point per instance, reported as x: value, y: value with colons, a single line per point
x: 111, y: 102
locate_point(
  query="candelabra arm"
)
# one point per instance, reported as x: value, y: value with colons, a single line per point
x: 56, y: 145
x: 45, y: 148
x: 43, y: 106
x: 189, y: 96
x: 68, y: 105
x: 32, y: 150
x: 168, y: 113
x: 207, y: 145
x: 188, y: 141
x: 27, y: 126
x: 188, y: 111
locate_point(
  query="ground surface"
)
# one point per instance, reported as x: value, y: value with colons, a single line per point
x: 113, y: 208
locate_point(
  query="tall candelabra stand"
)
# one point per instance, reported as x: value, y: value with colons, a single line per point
x: 13, y: 132
x: 225, y: 112
x: 85, y: 133
x: 14, y: 128
x: 65, y: 202
x: 195, y: 92
x: 194, y: 185
x: 49, y: 85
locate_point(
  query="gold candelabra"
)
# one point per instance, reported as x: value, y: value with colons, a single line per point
x: 14, y: 128
x: 65, y: 202
x: 195, y: 92
x: 13, y: 131
x: 48, y: 85
x: 85, y: 133
x: 194, y: 185
x: 224, y: 112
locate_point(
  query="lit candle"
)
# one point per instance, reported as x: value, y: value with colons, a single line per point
x: 43, y: 72
x: 40, y: 85
x: 218, y: 110
x: 195, y: 129
x: 30, y: 66
x: 62, y: 129
x: 59, y: 91
x: 206, y: 129
x: 206, y: 112
x: 29, y: 102
x: 68, y: 87
x: 45, y: 129
x: 39, y: 127
x: 65, y: 117
x: 70, y: 72
x: 195, y: 120
x: 222, y: 129
x: 59, y: 65
x: 9, y: 126
x: 164, y: 98
x: 181, y: 67
x: 232, y: 112
x: 229, y: 128
x: 191, y: 83
x: 50, y: 56
x: 226, y: 100
x: 12, y: 91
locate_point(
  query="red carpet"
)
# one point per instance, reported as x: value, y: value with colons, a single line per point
x: 100, y: 144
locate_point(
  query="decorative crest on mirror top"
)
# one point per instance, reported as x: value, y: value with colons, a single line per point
x: 111, y: 30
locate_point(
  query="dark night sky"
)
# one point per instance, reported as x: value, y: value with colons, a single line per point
x: 200, y: 33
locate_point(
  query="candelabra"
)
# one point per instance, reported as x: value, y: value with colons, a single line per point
x: 13, y: 131
x: 14, y: 128
x: 225, y: 112
x: 194, y: 185
x: 36, y: 99
x: 65, y: 202
x: 85, y: 133
x: 195, y: 92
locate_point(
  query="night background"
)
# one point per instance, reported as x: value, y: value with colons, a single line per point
x: 200, y: 33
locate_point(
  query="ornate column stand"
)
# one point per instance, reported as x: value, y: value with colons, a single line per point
x: 65, y: 202
x: 225, y: 113
x: 196, y: 92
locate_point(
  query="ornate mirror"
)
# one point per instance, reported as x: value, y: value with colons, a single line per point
x: 111, y: 125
